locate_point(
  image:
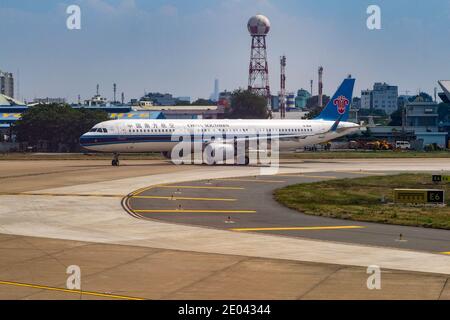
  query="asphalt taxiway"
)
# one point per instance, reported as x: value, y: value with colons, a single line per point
x: 246, y: 204
x: 59, y: 213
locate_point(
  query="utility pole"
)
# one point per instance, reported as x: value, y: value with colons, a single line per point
x: 282, y: 96
x: 320, y: 97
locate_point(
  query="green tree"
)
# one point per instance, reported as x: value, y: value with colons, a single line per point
x: 247, y: 105
x: 313, y: 112
x: 396, y: 118
x: 57, y: 124
x: 422, y: 96
x: 443, y: 111
x: 203, y: 102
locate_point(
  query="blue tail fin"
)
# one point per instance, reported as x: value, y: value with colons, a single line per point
x: 339, y: 105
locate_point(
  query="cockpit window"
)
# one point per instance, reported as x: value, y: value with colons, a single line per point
x: 99, y: 130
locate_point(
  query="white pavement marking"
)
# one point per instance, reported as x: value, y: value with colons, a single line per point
x: 103, y: 220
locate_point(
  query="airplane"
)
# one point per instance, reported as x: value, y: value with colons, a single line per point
x: 140, y: 136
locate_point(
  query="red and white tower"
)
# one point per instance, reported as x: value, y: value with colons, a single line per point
x: 258, y: 77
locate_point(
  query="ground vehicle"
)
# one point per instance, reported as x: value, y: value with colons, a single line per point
x: 403, y: 145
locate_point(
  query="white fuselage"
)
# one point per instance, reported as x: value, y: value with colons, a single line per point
x: 129, y: 136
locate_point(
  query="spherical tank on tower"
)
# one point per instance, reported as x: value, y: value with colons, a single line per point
x: 258, y: 25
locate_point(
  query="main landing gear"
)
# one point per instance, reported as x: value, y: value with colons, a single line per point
x: 115, y: 161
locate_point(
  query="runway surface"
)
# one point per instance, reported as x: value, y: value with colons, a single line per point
x: 49, y: 207
x: 246, y: 204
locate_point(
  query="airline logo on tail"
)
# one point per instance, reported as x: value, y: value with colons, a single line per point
x: 341, y: 103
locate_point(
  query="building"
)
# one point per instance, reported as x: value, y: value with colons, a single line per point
x: 382, y: 97
x: 302, y: 98
x: 108, y: 107
x: 275, y: 103
x: 134, y: 115
x: 160, y: 99
x: 366, y: 99
x: 9, y: 104
x: 423, y: 114
x: 356, y: 103
x: 185, y: 100
x: 313, y: 102
x: 421, y: 125
x: 10, y: 111
x: 290, y: 101
x: 291, y: 115
x: 7, y: 84
x: 423, y: 117
x: 215, y: 95
x: 188, y: 112
x: 445, y: 96
x: 49, y: 101
x: 96, y: 100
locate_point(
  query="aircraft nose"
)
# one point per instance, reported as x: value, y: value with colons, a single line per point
x: 83, y: 140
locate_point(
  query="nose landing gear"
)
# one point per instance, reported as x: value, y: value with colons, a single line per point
x: 115, y: 161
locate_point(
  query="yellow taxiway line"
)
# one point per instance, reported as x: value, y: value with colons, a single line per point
x: 447, y: 253
x: 202, y: 187
x: 183, y: 198
x: 298, y: 228
x: 90, y: 293
x: 141, y: 190
x: 305, y: 176
x: 251, y: 180
x: 193, y: 211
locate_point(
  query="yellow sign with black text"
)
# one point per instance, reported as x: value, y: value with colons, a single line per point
x: 419, y: 196
x: 440, y: 178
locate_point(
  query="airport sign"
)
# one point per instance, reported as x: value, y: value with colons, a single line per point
x: 440, y: 178
x: 419, y: 196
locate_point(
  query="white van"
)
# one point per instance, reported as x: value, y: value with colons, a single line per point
x: 403, y: 145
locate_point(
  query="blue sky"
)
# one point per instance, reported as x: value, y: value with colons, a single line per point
x: 181, y: 46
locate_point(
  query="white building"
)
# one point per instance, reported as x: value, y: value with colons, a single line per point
x: 366, y: 99
x: 7, y: 84
x: 384, y: 97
